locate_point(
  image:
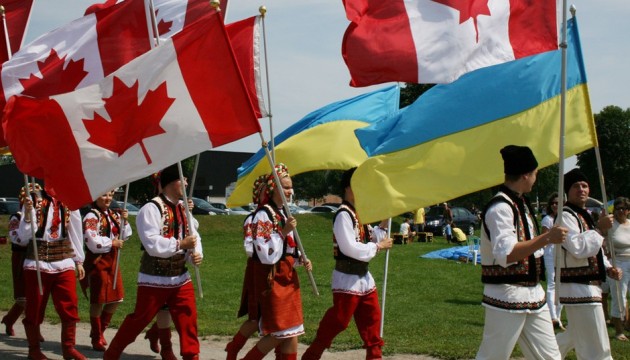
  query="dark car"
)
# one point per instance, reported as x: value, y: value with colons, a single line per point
x: 9, y: 207
x: 202, y: 207
x: 462, y: 218
x: 131, y: 209
x: 323, y: 209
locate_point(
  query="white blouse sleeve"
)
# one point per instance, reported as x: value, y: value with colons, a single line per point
x: 343, y: 229
x: 581, y: 245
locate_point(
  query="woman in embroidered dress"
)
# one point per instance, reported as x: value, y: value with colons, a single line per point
x: 102, y: 235
x: 550, y: 269
x: 276, y: 284
x: 620, y: 237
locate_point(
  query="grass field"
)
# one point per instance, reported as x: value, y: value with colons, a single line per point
x: 432, y: 306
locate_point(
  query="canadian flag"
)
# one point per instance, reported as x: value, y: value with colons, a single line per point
x: 17, y: 15
x: 436, y: 41
x: 173, y: 15
x: 78, y: 54
x: 181, y: 98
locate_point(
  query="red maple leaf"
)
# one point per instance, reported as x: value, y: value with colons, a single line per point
x: 163, y: 26
x: 55, y: 78
x: 468, y: 9
x: 130, y: 122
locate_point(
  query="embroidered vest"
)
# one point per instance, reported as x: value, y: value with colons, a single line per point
x: 344, y: 263
x: 528, y: 271
x: 576, y: 270
x: 173, y: 223
x: 62, y: 221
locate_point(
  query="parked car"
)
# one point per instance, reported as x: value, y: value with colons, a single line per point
x: 297, y: 209
x: 238, y: 210
x: 462, y: 218
x: 131, y: 208
x: 202, y: 207
x: 218, y: 205
x: 9, y: 199
x: 323, y: 209
x: 9, y: 207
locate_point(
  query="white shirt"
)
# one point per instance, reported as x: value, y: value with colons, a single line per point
x: 149, y: 225
x: 499, y: 220
x: 346, y: 236
x: 580, y: 245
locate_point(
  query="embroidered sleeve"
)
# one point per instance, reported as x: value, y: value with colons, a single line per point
x: 149, y: 226
x: 14, y: 224
x: 75, y: 235
x: 500, y: 223
x: 248, y: 240
x: 347, y: 239
x: 93, y: 240
x: 581, y: 245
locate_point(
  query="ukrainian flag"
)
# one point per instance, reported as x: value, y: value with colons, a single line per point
x: 447, y: 143
x: 322, y: 140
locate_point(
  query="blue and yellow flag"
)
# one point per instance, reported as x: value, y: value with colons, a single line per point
x: 322, y: 140
x: 447, y: 143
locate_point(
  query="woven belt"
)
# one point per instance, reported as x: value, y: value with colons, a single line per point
x: 50, y: 251
x: 351, y: 267
x: 172, y: 266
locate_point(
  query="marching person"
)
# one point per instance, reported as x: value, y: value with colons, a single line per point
x: 620, y: 237
x: 550, y: 262
x: 60, y: 252
x: 582, y: 269
x: 18, y: 254
x: 163, y: 278
x: 250, y: 325
x: 512, y: 266
x: 354, y: 289
x: 103, y: 239
x: 276, y: 286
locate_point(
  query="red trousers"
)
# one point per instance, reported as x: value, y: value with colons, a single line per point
x: 367, y: 316
x: 181, y: 304
x: 62, y: 287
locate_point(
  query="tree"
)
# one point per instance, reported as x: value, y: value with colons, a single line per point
x: 613, y: 131
x: 410, y: 92
x: 314, y: 185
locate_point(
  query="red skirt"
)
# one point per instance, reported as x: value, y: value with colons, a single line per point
x: 99, y: 269
x: 277, y: 294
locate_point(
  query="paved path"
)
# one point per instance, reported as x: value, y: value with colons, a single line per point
x: 15, y: 347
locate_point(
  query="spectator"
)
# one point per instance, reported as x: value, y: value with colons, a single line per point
x: 418, y: 219
x: 547, y: 223
x: 620, y: 237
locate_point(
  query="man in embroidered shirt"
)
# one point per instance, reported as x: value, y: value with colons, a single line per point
x: 511, y: 259
x: 582, y: 269
x: 163, y: 278
x: 58, y: 233
x: 354, y: 290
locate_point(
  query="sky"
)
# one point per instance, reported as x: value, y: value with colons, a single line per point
x: 306, y: 70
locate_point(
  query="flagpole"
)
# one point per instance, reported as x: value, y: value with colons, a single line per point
x: 122, y: 228
x: 563, y: 95
x: 154, y: 26
x: 263, y: 11
x: 285, y: 204
x: 190, y: 226
x: 389, y: 233
x: 33, y: 239
x: 6, y: 31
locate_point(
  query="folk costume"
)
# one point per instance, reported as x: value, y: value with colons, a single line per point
x: 583, y: 268
x: 18, y: 254
x: 514, y: 300
x: 353, y: 287
x: 100, y: 227
x: 248, y: 300
x: 163, y: 277
x: 276, y: 287
x: 276, y: 283
x: 60, y: 251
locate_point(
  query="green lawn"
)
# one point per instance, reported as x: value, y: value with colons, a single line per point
x: 433, y: 306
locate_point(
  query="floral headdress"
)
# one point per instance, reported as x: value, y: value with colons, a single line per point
x: 23, y: 195
x: 270, y: 187
x: 259, y: 187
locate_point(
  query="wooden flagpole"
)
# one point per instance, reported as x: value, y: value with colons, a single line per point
x: 384, y: 294
x: 190, y: 226
x: 263, y: 12
x: 122, y: 229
